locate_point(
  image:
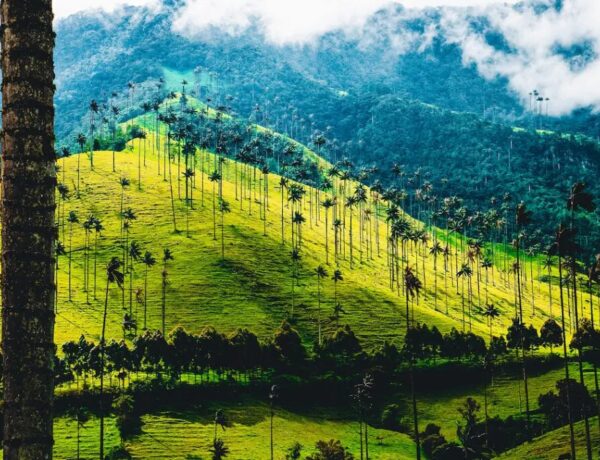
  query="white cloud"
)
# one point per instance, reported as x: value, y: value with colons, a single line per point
x: 290, y: 21
x: 64, y: 8
x: 535, y: 62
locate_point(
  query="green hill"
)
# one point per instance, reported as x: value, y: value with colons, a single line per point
x: 252, y: 285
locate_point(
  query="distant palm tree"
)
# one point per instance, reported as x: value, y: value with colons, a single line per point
x: 215, y: 177
x: 295, y: 255
x: 72, y: 219
x: 273, y: 395
x: 225, y: 209
x: 135, y: 254
x: 113, y: 276
x: 491, y: 313
x: 81, y: 140
x: 167, y: 255
x: 98, y: 227
x: 149, y: 261
x: 94, y: 108
x: 412, y: 286
x: 321, y: 273
x: 436, y: 249
x: 283, y: 185
x: 327, y: 203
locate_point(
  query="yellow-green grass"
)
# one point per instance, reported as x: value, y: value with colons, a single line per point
x: 506, y: 396
x: 252, y: 286
x: 555, y: 443
x: 188, y: 434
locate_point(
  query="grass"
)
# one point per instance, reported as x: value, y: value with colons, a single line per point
x: 251, y: 286
x: 555, y: 443
x: 177, y: 434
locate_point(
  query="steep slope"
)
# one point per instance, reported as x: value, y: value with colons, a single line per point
x: 252, y: 285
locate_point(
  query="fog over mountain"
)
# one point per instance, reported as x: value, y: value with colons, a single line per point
x: 549, y: 46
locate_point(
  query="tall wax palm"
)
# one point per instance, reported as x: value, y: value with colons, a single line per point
x: 466, y: 272
x: 321, y: 273
x: 298, y: 220
x: 435, y: 251
x: 562, y: 246
x: 412, y: 287
x: 135, y: 255
x: 59, y: 250
x: 88, y: 226
x: 81, y: 140
x: 167, y: 256
x: 113, y: 276
x: 115, y: 111
x: 72, y: 219
x: 98, y: 227
x: 215, y: 177
x: 522, y: 218
x: 350, y: 203
x: 579, y: 200
x: 283, y: 185
x: 224, y: 208
x: 336, y: 277
x: 491, y: 313
x: 149, y: 261
x: 94, y: 109
x: 295, y: 256
x: 327, y: 204
x: 28, y: 236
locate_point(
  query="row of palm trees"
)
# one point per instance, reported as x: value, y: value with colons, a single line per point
x: 348, y: 202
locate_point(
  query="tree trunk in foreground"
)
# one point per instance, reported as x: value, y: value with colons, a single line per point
x: 28, y: 234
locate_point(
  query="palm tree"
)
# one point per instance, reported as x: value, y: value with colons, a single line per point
x: 149, y: 261
x: 135, y: 255
x: 412, y: 287
x: 579, y: 200
x: 491, y: 313
x: 72, y: 219
x: 81, y: 140
x: 466, y: 272
x: 435, y: 250
x: 327, y: 203
x: 28, y: 239
x: 98, y: 227
x: 321, y: 273
x: 273, y: 395
x: 115, y: 113
x: 225, y: 209
x: 94, y: 108
x: 350, y: 203
x: 215, y: 177
x: 522, y: 218
x: 113, y: 276
x: 283, y: 184
x: 562, y: 246
x: 295, y: 255
x: 167, y: 255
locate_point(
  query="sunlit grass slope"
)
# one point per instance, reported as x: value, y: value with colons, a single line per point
x: 552, y: 445
x: 251, y: 286
x: 179, y: 435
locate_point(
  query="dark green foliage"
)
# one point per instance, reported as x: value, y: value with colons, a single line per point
x: 330, y: 450
x: 554, y: 406
x: 128, y: 420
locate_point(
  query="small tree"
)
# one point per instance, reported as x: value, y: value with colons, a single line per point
x: 551, y: 334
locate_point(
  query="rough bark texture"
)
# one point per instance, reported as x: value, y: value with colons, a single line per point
x: 28, y: 234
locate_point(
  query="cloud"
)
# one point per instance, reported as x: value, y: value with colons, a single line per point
x: 64, y: 8
x: 554, y: 49
x: 290, y: 21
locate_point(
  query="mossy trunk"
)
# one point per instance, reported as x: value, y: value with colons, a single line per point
x: 28, y: 233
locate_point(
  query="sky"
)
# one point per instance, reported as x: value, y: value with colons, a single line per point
x: 537, y: 40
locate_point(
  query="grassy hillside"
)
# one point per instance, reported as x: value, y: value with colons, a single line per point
x: 555, y: 443
x: 252, y: 285
x: 187, y: 434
